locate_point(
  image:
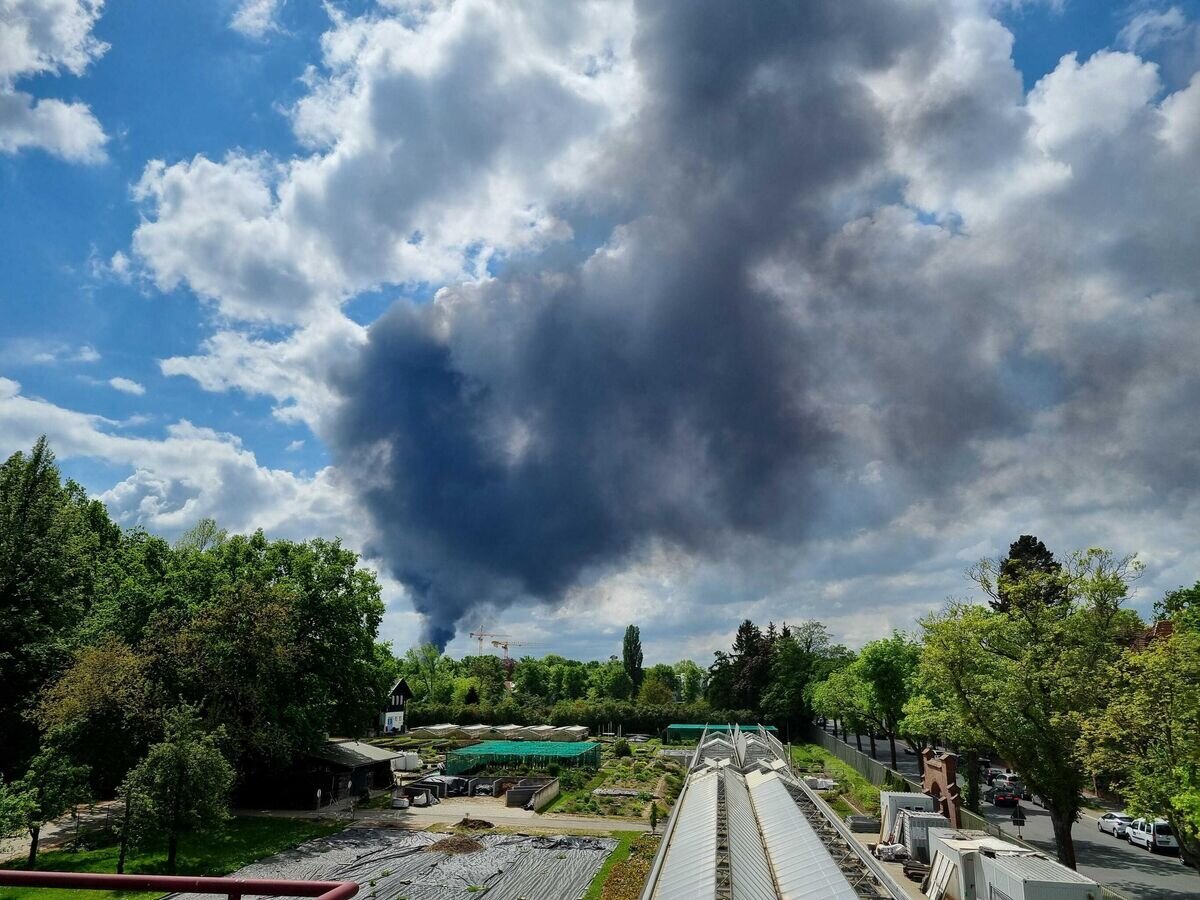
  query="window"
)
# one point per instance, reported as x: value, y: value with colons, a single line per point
x: 1164, y: 829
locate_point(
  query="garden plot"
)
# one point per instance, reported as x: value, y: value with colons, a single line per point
x: 399, y: 865
x: 623, y: 786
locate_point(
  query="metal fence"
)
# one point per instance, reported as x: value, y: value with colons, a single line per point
x: 882, y: 776
x: 872, y: 770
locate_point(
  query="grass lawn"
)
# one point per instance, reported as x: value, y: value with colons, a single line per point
x: 243, y: 841
x: 856, y: 791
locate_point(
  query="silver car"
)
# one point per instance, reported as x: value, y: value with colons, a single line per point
x: 1114, y: 823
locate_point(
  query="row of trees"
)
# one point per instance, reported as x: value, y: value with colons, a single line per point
x: 1050, y: 676
x: 539, y: 684
x: 120, y: 652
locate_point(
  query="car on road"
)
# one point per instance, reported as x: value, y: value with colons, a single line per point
x: 991, y: 774
x: 1114, y: 823
x: 1156, y: 836
x: 1002, y: 795
x: 1013, y: 781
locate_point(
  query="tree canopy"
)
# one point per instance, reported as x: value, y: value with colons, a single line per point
x: 1026, y: 675
x: 631, y: 654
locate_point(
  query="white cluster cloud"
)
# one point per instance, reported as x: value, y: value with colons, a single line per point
x: 190, y: 473
x: 40, y: 37
x: 127, y: 386
x: 294, y: 372
x: 439, y: 136
x: 256, y: 18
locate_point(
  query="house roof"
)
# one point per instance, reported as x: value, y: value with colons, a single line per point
x: 352, y: 754
x: 1160, y: 630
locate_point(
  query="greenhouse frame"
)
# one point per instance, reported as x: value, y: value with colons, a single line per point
x: 526, y: 754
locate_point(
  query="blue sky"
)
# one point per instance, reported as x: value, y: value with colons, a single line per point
x: 242, y: 190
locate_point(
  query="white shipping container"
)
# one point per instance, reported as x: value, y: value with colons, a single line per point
x: 1034, y: 877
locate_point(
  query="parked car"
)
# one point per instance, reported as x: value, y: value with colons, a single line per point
x: 1002, y: 795
x: 1114, y: 823
x: 990, y: 774
x: 1156, y: 836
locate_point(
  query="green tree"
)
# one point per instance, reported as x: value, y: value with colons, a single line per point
x: 239, y: 654
x: 101, y: 710
x: 843, y: 697
x: 201, y: 536
x: 488, y: 672
x: 1181, y: 606
x: 52, y: 540
x: 182, y: 785
x: 574, y: 682
x: 52, y: 785
x: 1027, y: 675
x: 800, y: 659
x: 655, y: 693
x: 888, y: 667
x: 611, y: 681
x: 928, y: 718
x: 752, y: 654
x: 631, y: 650
x: 1029, y: 574
x: 720, y: 682
x: 531, y: 678
x: 691, y: 680
x: 1147, y: 738
x: 425, y: 668
x: 12, y: 811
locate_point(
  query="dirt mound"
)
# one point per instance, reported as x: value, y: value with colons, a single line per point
x: 456, y: 844
x: 468, y: 822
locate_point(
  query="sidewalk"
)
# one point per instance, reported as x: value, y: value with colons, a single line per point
x: 62, y: 830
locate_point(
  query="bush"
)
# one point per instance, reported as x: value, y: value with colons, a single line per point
x: 622, y: 748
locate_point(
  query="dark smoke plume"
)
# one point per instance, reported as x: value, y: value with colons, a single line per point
x: 513, y: 437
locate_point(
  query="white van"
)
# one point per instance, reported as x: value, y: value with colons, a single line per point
x: 1156, y: 836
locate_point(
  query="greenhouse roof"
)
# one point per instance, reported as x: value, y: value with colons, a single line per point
x: 527, y: 748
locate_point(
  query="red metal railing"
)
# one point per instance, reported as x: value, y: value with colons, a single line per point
x: 233, y: 888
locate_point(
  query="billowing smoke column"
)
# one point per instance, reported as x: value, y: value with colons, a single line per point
x: 515, y: 435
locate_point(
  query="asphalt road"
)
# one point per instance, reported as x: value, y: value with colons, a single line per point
x: 1130, y: 870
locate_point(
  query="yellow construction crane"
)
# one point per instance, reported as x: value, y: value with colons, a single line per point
x: 481, y: 634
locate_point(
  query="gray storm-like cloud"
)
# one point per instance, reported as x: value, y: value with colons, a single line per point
x: 764, y: 327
